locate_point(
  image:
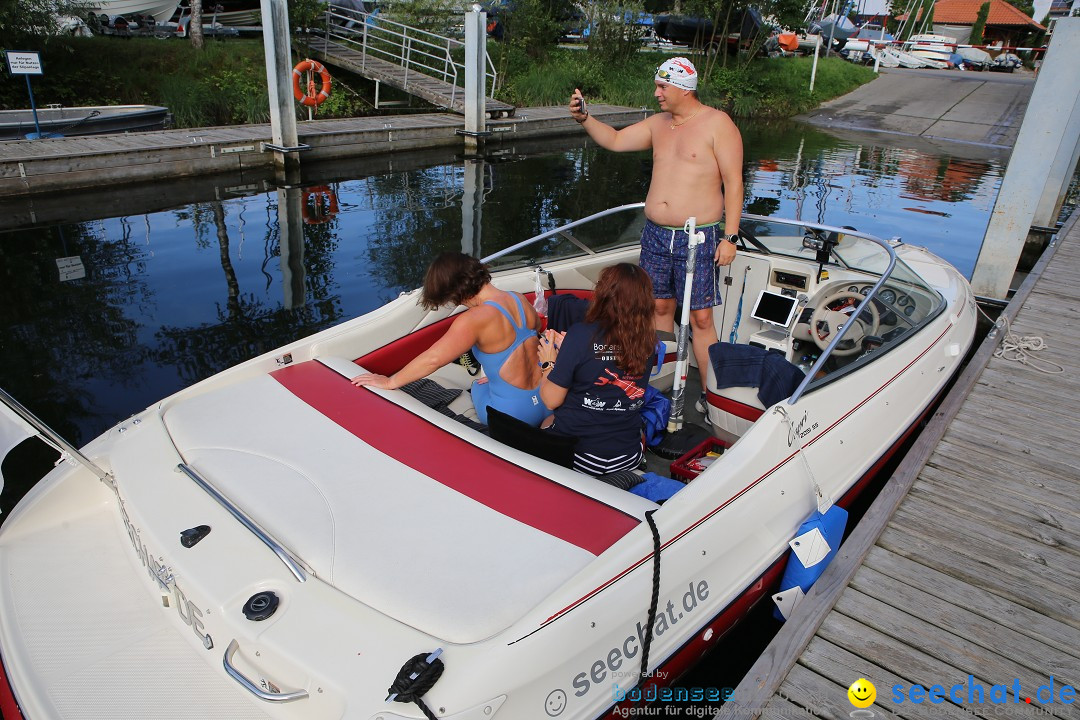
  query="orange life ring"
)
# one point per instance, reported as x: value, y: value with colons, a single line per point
x: 320, y: 205
x: 310, y: 97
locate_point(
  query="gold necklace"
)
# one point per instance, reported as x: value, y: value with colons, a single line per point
x: 683, y: 122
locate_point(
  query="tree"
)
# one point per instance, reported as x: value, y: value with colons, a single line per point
x: 1025, y: 6
x: 980, y: 23
x: 195, y: 32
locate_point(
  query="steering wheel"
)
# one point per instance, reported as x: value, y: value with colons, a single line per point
x: 825, y: 322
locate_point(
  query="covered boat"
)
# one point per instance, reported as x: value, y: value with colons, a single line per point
x: 274, y: 542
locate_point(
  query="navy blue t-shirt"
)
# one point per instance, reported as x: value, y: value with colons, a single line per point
x: 603, y: 404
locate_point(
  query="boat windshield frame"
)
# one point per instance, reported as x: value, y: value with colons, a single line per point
x: 846, y: 247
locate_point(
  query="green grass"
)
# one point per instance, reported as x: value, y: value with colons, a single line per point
x: 226, y: 83
x: 769, y: 87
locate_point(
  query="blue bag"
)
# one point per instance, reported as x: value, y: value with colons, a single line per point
x: 655, y: 414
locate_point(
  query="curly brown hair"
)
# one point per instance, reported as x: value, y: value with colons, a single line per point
x: 453, y: 277
x: 623, y: 307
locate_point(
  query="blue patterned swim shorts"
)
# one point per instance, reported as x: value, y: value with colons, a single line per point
x: 663, y: 256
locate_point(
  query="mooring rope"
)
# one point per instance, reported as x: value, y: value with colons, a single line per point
x: 1019, y: 348
x: 646, y: 642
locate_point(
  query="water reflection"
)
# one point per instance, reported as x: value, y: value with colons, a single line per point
x: 112, y: 300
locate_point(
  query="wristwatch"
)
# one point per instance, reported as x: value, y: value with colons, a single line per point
x: 546, y: 365
x: 733, y: 238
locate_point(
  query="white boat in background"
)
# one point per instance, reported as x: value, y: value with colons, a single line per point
x: 975, y: 58
x: 936, y: 48
x: 160, y: 10
x: 274, y: 542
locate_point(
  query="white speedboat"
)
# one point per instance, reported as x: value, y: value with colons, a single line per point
x: 274, y: 542
x: 160, y: 10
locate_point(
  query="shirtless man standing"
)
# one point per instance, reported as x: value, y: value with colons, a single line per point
x: 697, y: 172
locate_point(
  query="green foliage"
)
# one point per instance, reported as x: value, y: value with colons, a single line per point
x: 534, y: 26
x: 980, y: 23
x: 437, y: 16
x: 612, y: 37
x: 306, y: 14
x: 767, y: 87
x: 33, y: 24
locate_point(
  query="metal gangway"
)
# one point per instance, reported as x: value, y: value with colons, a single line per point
x: 422, y: 63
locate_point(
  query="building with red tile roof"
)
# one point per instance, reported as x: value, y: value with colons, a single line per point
x: 1004, y: 25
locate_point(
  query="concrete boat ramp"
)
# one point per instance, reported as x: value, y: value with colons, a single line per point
x: 972, y: 107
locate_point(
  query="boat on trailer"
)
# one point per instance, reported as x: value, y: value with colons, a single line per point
x: 274, y: 542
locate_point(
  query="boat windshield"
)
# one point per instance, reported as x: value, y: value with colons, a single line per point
x: 838, y: 259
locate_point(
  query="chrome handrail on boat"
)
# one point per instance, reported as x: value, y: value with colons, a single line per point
x: 280, y: 697
x: 53, y: 438
x: 274, y: 545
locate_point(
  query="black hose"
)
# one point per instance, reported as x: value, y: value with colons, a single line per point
x: 646, y: 642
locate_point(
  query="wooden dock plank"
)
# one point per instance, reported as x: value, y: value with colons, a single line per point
x: 993, y: 542
x: 947, y: 647
x: 994, y: 608
x: 826, y: 697
x: 835, y: 661
x: 1014, y: 586
x: 963, y: 622
x: 1020, y: 517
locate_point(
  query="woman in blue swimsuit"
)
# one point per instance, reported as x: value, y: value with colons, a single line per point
x: 496, y: 327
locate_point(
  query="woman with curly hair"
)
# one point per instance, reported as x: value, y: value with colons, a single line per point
x: 595, y: 374
x: 495, y: 327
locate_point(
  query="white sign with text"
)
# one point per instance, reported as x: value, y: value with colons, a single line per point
x: 23, y: 63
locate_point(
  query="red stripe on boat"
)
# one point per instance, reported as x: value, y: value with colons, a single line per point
x: 9, y: 709
x: 500, y: 485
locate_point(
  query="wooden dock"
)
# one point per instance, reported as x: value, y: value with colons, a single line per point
x: 55, y: 164
x: 965, y: 571
x: 437, y: 92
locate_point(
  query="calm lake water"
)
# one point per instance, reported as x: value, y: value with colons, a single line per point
x: 113, y: 299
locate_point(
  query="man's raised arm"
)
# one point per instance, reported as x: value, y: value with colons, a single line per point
x: 633, y: 137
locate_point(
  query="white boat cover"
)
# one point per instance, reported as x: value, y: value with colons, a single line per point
x: 388, y: 503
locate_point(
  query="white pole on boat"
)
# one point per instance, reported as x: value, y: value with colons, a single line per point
x: 678, y: 390
x: 813, y: 68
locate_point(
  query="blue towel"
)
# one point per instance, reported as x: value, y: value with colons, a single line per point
x: 750, y: 366
x: 564, y: 311
x: 657, y: 487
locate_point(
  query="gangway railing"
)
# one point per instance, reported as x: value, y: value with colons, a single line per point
x: 414, y: 49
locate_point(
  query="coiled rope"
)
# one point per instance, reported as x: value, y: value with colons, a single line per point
x: 1019, y: 348
x: 415, y: 678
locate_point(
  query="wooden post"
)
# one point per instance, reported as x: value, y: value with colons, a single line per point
x: 1042, y: 135
x: 276, y: 47
x: 475, y: 73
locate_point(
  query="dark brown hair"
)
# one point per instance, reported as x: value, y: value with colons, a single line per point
x: 453, y: 277
x: 623, y: 307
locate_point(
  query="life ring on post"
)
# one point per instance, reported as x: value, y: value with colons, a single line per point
x: 309, y: 97
x: 320, y: 205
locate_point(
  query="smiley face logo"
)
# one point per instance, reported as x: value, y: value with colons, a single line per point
x: 862, y: 693
x: 555, y: 703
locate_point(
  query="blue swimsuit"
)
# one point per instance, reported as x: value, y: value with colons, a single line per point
x: 525, y: 405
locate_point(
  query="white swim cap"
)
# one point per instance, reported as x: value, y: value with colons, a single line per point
x: 678, y: 71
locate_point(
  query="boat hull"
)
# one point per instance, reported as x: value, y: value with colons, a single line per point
x: 343, y: 628
x: 71, y: 121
